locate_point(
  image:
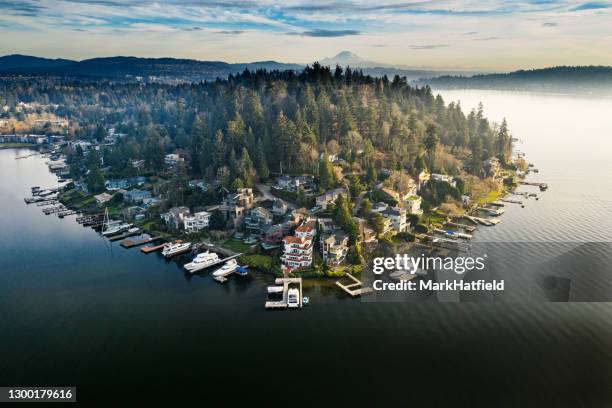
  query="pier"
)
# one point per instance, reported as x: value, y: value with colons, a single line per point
x: 128, y: 243
x: 491, y: 211
x: 482, y: 221
x: 354, y: 289
x: 283, y: 303
x: 468, y: 228
x: 507, y: 200
x: 152, y: 248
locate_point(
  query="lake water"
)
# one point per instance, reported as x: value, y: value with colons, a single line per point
x: 123, y: 326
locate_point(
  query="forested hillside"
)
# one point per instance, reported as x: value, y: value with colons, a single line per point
x: 255, y: 123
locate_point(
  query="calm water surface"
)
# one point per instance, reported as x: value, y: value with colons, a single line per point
x: 78, y: 310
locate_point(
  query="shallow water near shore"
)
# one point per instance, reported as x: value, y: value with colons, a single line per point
x: 78, y: 310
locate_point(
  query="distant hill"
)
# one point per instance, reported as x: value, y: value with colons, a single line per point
x: 18, y: 61
x: 121, y: 67
x: 589, y: 79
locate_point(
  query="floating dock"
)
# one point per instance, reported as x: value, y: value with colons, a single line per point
x: 468, y: 228
x: 152, y: 248
x: 128, y: 243
x: 354, y: 289
x: 283, y: 303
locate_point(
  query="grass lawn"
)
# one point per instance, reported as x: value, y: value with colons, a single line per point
x: 15, y: 145
x: 261, y: 262
x: 491, y: 197
x: 77, y: 199
x: 236, y: 245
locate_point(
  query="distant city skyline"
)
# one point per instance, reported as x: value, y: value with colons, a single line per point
x: 497, y: 35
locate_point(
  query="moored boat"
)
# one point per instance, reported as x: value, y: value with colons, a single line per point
x: 176, y: 248
x: 227, y: 268
x: 201, y: 261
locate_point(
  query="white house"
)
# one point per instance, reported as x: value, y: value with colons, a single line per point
x: 413, y: 205
x: 197, y: 222
x: 398, y: 218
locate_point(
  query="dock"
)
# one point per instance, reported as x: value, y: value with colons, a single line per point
x: 152, y: 248
x: 283, y: 304
x: 542, y: 186
x: 483, y: 221
x: 468, y: 228
x: 491, y: 211
x: 452, y: 234
x: 354, y: 289
x: 507, y: 200
x: 128, y: 243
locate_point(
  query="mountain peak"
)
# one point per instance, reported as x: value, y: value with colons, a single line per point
x: 347, y: 55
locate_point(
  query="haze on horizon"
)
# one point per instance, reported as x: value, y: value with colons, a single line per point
x: 499, y: 35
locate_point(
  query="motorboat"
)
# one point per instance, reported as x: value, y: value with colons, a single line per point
x: 226, y: 269
x: 275, y: 289
x: 201, y: 261
x: 293, y: 298
x: 176, y: 248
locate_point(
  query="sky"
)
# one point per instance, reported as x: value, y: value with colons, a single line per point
x: 494, y: 35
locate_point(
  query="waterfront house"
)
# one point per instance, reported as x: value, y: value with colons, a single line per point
x: 334, y: 247
x: 175, y: 217
x: 397, y: 216
x: 329, y: 197
x: 136, y: 196
x: 124, y: 183
x: 102, y: 198
x: 197, y: 222
x: 116, y: 184
x: 257, y: 219
x: 297, y: 249
x: 413, y: 205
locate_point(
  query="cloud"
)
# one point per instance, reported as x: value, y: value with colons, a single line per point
x: 230, y: 32
x: 493, y: 38
x: 592, y: 6
x: 326, y: 33
x: 470, y: 33
x: 428, y: 46
x: 550, y: 24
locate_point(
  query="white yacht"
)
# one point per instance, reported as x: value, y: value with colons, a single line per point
x: 201, y: 261
x: 275, y: 289
x: 176, y: 248
x: 229, y: 267
x: 293, y: 297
